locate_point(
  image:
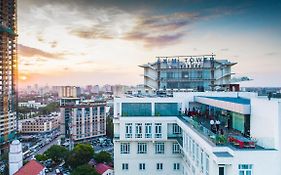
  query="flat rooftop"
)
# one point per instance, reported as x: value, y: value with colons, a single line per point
x: 238, y: 100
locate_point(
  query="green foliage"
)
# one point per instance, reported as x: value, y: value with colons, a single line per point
x: 84, y: 170
x: 57, y: 153
x: 4, y: 156
x: 81, y: 154
x: 25, y: 110
x: 109, y: 127
x: 221, y: 139
x: 41, y: 157
x: 103, y: 156
x: 52, y: 107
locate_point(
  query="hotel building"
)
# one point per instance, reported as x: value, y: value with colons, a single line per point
x: 81, y: 120
x: 8, y: 71
x: 173, y: 136
x: 197, y: 73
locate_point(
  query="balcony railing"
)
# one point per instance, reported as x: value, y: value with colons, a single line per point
x: 217, y: 139
x: 208, y: 134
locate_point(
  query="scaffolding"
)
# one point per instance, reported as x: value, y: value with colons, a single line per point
x: 8, y: 70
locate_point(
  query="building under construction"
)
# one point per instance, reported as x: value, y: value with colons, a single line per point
x: 8, y: 71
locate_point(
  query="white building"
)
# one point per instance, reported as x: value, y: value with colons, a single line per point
x: 197, y: 72
x: 154, y: 136
x: 31, y: 104
x: 82, y: 120
x: 69, y: 91
x: 15, y: 157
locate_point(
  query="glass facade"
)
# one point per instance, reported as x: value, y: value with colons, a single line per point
x: 183, y: 78
x: 238, y: 121
x: 136, y: 109
x: 166, y: 109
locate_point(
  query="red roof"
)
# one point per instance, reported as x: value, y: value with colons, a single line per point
x: 31, y: 168
x: 101, y: 168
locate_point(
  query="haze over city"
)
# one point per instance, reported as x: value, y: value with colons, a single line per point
x: 84, y: 42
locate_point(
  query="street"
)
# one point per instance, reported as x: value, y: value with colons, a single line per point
x: 44, y: 148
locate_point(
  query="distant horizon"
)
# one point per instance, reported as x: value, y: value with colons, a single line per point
x: 100, y: 42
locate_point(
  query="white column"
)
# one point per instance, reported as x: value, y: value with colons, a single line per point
x: 83, y: 123
x: 91, y: 121
x: 98, y: 119
x: 152, y: 108
x: 15, y: 157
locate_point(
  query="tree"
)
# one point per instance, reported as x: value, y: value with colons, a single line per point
x: 103, y: 156
x: 41, y: 157
x: 52, y: 107
x: 57, y: 153
x: 84, y: 170
x: 81, y: 154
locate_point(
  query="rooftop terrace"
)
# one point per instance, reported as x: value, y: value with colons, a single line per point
x: 238, y: 100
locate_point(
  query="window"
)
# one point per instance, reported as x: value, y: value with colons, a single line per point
x: 193, y: 149
x: 148, y: 129
x: 190, y: 145
x: 142, y: 148
x: 128, y: 127
x: 138, y: 130
x: 159, y: 166
x: 136, y: 109
x: 245, y: 169
x: 125, y: 148
x: 159, y: 148
x: 166, y: 109
x: 197, y: 154
x: 158, y: 130
x: 142, y: 166
x: 176, y: 129
x: 207, y: 165
x: 176, y: 148
x: 125, y: 166
x: 176, y: 166
x: 201, y: 160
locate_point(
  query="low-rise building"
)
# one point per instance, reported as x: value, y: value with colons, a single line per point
x: 39, y: 124
x: 104, y: 169
x: 31, y: 104
x: 31, y: 168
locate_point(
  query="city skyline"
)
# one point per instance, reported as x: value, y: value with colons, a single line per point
x: 103, y: 42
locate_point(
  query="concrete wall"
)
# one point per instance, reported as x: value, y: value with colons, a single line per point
x: 265, y: 117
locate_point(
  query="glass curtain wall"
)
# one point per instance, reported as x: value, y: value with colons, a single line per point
x: 136, y: 109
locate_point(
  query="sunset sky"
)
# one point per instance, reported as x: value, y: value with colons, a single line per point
x: 80, y: 42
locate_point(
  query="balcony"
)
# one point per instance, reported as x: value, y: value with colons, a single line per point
x: 217, y: 139
x: 177, y: 137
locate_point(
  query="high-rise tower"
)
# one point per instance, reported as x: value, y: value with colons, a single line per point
x: 8, y: 71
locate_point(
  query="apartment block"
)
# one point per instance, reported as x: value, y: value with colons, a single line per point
x: 82, y: 119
